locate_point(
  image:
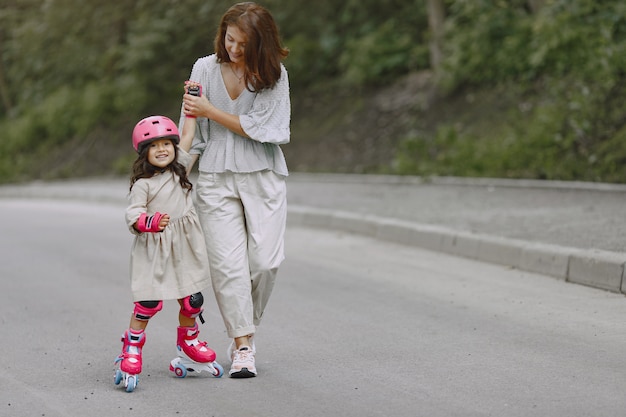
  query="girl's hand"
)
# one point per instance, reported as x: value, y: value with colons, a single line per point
x: 190, y: 84
x: 152, y: 224
x: 164, y: 221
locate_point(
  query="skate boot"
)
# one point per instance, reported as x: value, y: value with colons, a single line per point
x: 130, y: 359
x: 193, y: 355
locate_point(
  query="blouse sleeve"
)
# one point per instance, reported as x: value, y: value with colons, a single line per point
x: 268, y: 120
x: 137, y: 204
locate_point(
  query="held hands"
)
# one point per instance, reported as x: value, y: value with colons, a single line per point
x: 194, y: 103
x: 194, y: 89
x: 153, y: 224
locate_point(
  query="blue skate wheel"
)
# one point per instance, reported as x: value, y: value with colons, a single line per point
x: 131, y: 383
x: 219, y: 371
x: 118, y: 377
x: 180, y: 371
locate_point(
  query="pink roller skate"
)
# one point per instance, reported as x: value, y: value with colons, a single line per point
x: 130, y: 360
x: 193, y: 355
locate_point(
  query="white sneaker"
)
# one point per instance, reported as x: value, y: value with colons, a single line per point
x: 243, y: 365
x: 232, y: 347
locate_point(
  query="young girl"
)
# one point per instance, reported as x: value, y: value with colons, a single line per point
x: 168, y: 259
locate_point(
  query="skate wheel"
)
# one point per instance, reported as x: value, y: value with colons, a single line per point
x: 180, y: 371
x: 118, y: 377
x: 131, y: 383
x: 219, y: 371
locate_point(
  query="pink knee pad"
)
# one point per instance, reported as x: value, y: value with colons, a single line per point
x: 192, y: 306
x: 145, y: 310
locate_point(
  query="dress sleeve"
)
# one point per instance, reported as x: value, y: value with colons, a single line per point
x: 137, y: 204
x: 268, y: 120
x: 184, y: 158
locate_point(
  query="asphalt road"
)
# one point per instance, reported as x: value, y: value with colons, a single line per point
x: 356, y: 327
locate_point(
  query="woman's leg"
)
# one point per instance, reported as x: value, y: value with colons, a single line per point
x: 222, y: 217
x: 265, y: 204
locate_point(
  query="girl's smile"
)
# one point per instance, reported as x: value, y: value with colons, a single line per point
x: 161, y: 153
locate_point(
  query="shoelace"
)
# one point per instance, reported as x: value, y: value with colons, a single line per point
x: 241, y: 355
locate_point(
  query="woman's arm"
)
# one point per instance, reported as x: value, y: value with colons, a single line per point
x: 267, y: 122
x: 202, y: 107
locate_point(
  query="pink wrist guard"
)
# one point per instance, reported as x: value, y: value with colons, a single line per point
x: 149, y: 223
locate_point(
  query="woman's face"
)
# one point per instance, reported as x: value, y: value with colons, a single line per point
x: 161, y: 152
x: 235, y: 42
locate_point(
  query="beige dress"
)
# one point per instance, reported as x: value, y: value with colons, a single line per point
x: 171, y: 264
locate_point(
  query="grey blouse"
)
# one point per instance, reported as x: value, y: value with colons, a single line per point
x: 264, y: 116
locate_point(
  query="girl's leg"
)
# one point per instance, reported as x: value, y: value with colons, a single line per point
x: 187, y: 340
x: 138, y: 325
x: 134, y: 338
x: 190, y: 308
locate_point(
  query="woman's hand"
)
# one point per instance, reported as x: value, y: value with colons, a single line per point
x: 195, y: 106
x: 201, y: 107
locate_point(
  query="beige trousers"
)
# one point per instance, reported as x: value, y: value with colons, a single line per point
x: 243, y: 217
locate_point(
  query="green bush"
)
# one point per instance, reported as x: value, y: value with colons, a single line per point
x: 487, y: 43
x: 570, y: 58
x: 381, y: 55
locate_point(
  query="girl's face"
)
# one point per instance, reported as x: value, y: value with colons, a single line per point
x: 161, y: 152
x: 235, y: 42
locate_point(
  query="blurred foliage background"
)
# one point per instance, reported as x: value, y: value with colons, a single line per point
x: 515, y: 89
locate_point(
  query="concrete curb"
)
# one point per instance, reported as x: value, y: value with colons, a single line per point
x: 594, y: 268
x: 374, y: 179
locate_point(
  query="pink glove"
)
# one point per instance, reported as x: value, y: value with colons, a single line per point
x: 149, y: 223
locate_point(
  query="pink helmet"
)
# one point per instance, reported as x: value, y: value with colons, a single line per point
x: 152, y: 128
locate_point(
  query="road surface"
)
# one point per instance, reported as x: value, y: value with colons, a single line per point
x: 356, y: 327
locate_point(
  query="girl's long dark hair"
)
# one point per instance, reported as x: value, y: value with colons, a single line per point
x: 263, y: 52
x: 144, y: 169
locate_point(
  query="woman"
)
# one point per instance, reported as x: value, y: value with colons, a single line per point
x: 243, y: 117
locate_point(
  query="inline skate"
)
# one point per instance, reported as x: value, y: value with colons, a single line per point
x: 130, y: 360
x: 193, y: 355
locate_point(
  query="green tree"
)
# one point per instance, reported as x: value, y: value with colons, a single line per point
x: 75, y: 76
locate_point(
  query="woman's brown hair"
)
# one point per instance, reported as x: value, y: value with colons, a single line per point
x: 263, y: 52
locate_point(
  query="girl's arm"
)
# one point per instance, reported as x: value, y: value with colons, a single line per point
x: 189, y: 126
x: 194, y: 159
x: 186, y: 137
